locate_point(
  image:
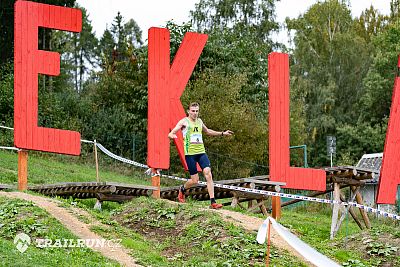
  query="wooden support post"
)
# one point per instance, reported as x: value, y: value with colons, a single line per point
x: 353, y: 214
x: 363, y: 212
x: 250, y: 203
x: 260, y: 203
x: 276, y: 207
x: 22, y: 170
x: 344, y: 211
x: 155, y: 181
x: 235, y: 200
x: 97, y: 162
x: 335, y: 213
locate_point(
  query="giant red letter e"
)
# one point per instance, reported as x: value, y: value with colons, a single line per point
x: 28, y: 63
x: 279, y: 155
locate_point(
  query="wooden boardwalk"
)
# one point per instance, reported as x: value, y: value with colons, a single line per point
x: 102, y: 191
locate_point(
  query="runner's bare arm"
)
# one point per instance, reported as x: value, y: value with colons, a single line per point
x: 216, y: 133
x: 180, y: 125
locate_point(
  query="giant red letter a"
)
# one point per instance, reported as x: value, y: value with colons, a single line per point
x: 28, y: 62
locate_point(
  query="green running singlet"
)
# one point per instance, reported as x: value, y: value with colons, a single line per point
x: 193, y: 137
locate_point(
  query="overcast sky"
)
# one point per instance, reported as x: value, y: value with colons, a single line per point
x: 150, y: 13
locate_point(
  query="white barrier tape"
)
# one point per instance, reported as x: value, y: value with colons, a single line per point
x: 110, y: 154
x: 305, y: 198
x: 9, y: 148
x: 5, y: 127
x: 87, y: 141
x: 256, y: 191
x: 312, y: 255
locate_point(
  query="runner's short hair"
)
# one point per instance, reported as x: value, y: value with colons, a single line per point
x: 193, y: 104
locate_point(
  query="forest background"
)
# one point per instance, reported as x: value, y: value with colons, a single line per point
x: 342, y: 71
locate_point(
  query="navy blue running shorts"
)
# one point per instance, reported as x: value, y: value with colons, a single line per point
x: 191, y: 161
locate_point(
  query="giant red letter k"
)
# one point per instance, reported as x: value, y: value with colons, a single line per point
x: 165, y: 86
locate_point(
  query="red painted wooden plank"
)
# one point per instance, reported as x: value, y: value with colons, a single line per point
x: 185, y: 61
x: 390, y: 172
x: 164, y: 142
x: 151, y: 101
x: 181, y: 64
x: 271, y: 118
x: 45, y: 14
x: 389, y: 175
x: 279, y: 154
x: 51, y: 60
x: 158, y: 106
x: 20, y: 26
x: 60, y: 18
x: 285, y: 112
x: 32, y: 78
x: 29, y: 62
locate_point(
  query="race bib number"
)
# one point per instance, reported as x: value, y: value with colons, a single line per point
x: 196, y: 139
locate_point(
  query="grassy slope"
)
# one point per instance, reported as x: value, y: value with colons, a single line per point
x: 312, y: 224
x: 55, y: 169
x: 181, y: 235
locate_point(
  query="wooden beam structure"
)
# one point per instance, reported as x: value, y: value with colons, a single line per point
x: 276, y: 208
x: 22, y: 170
x: 101, y: 191
x: 155, y: 181
x: 353, y: 177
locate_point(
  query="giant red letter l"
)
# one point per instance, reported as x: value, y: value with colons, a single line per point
x: 279, y: 156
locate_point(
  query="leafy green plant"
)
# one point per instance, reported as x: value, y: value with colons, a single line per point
x: 379, y: 249
x: 354, y: 263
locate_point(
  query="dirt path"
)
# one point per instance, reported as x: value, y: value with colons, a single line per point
x: 79, y: 228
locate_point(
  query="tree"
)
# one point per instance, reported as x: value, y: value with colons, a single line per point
x: 330, y: 61
x: 6, y: 94
x: 221, y: 108
x: 118, y: 92
x: 79, y: 54
x: 118, y: 43
x: 7, y: 30
x: 107, y: 46
x: 376, y: 100
x: 239, y: 42
x: 85, y: 55
x: 394, y: 11
x: 370, y: 23
x: 258, y: 15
